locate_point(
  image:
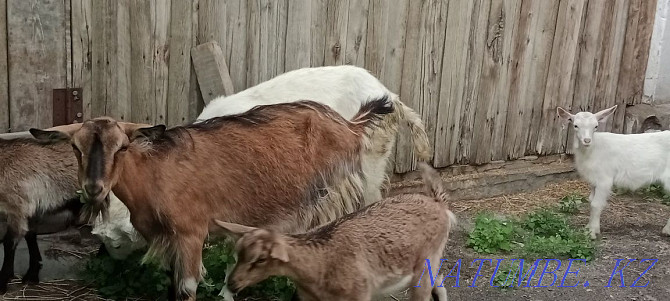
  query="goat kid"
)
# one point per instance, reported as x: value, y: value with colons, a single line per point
x: 367, y: 253
x: 607, y: 159
x: 269, y: 167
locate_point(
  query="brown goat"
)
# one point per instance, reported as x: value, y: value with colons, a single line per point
x: 373, y: 251
x: 266, y: 167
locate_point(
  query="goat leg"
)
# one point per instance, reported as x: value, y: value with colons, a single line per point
x: 7, y: 272
x: 32, y: 276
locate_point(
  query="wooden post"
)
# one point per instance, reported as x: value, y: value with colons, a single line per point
x: 212, y: 71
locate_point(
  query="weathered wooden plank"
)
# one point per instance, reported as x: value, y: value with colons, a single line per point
x: 529, y: 62
x: 494, y: 87
x: 210, y: 67
x: 234, y: 42
x: 626, y: 87
x: 336, y: 31
x: 645, y: 29
x: 356, y: 33
x: 560, y: 82
x: 318, y: 32
x: 179, y: 76
x: 454, y: 67
x: 111, y: 59
x: 81, y: 51
x: 36, y: 60
x: 421, y: 74
x: 298, y: 35
x: 268, y: 43
x: 4, y: 83
x: 253, y: 43
x: 142, y: 20
x: 473, y: 76
x: 612, y: 38
x: 535, y: 80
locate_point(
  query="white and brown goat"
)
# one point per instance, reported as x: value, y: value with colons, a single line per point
x: 270, y: 166
x: 377, y: 250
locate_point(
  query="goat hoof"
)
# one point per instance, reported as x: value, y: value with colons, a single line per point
x: 30, y: 278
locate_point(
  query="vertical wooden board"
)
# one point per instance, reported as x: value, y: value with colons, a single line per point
x: 356, y: 33
x: 143, y: 104
x: 179, y: 69
x: 535, y: 80
x: 376, y: 37
x: 421, y: 74
x: 4, y: 88
x: 98, y: 58
x: 195, y: 102
x: 298, y: 35
x: 454, y: 66
x: 272, y: 42
x: 119, y: 83
x: 645, y: 29
x: 336, y: 32
x: 611, y: 52
x: 626, y: 89
x: 36, y: 60
x: 253, y: 57
x: 475, y: 51
x: 318, y: 32
x: 491, y: 109
x: 522, y: 67
x: 588, y: 61
x: 81, y: 22
x: 161, y: 57
x: 560, y: 82
x: 234, y: 42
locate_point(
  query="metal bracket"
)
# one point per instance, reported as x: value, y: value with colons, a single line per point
x: 67, y: 106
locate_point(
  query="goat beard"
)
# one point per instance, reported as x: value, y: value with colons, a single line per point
x: 92, y: 209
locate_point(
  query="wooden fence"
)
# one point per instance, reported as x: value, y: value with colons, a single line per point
x: 486, y: 75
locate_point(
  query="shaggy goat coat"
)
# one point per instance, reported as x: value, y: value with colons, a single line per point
x: 374, y: 251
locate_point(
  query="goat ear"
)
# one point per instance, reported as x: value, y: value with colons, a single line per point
x: 565, y: 116
x: 279, y: 250
x: 131, y: 128
x: 234, y: 230
x: 151, y: 132
x: 50, y: 136
x: 602, y: 115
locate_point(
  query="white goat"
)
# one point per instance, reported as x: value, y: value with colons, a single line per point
x: 377, y: 250
x: 607, y: 159
x: 343, y: 88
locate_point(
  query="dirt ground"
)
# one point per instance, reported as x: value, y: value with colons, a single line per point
x: 631, y: 229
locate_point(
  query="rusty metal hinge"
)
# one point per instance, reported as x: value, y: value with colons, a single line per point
x: 67, y: 106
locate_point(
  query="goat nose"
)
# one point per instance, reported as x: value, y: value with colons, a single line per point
x: 93, y: 189
x: 587, y: 140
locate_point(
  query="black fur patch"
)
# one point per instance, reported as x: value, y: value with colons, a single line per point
x: 96, y: 168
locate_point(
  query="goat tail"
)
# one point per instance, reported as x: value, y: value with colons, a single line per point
x: 422, y: 148
x: 435, y: 187
x: 372, y: 111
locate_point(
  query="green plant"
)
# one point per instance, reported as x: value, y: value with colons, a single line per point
x: 544, y: 222
x: 491, y: 235
x: 123, y: 279
x: 571, y: 244
x: 570, y: 203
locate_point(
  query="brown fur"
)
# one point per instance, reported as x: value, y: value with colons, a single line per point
x: 36, y: 179
x: 356, y: 255
x: 257, y: 168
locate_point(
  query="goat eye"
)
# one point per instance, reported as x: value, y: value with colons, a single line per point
x: 261, y: 261
x: 123, y: 148
x: 596, y: 126
x: 576, y: 126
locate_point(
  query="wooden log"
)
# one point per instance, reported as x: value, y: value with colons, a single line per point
x: 212, y: 71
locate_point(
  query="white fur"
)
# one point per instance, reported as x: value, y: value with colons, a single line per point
x: 117, y: 233
x: 608, y: 159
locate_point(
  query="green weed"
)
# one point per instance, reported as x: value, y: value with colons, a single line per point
x: 124, y: 279
x: 570, y: 203
x: 492, y: 235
